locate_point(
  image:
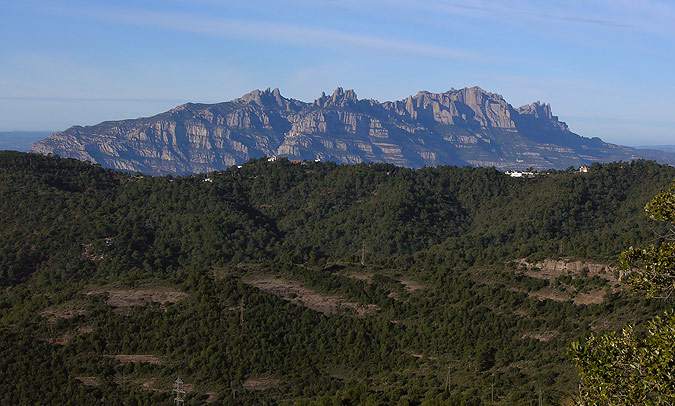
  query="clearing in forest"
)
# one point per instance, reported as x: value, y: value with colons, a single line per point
x: 123, y: 299
x: 593, y: 297
x: 89, y: 380
x: 65, y: 310
x: 294, y: 292
x: 261, y: 383
x: 361, y: 276
x: 552, y: 268
x: 543, y: 336
x: 411, y: 285
x: 147, y: 358
x: 582, y: 282
x: 408, y: 284
x: 546, y: 293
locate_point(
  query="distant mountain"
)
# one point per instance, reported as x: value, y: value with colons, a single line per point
x: 666, y: 148
x: 459, y: 127
x: 20, y: 140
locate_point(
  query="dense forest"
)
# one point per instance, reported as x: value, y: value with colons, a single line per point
x: 311, y: 283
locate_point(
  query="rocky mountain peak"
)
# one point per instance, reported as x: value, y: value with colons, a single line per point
x: 181, y: 107
x: 467, y: 106
x: 541, y: 112
x: 340, y: 98
x: 266, y: 98
x: 473, y: 95
x: 537, y: 109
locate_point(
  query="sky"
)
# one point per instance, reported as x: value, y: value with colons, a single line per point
x: 607, y: 67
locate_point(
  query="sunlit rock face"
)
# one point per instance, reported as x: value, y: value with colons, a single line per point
x: 459, y: 127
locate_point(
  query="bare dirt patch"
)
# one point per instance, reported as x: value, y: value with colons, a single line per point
x: 339, y: 372
x: 65, y: 311
x: 411, y: 285
x: 594, y: 297
x: 147, y: 384
x: 580, y: 299
x: 123, y: 299
x: 543, y: 294
x: 250, y: 266
x: 421, y: 356
x: 551, y: 269
x: 601, y: 325
x: 153, y: 384
x: 543, y: 336
x: 89, y: 380
x: 395, y: 296
x: 65, y: 337
x: 261, y: 383
x: 293, y: 292
x: 147, y: 358
x: 360, y: 276
x: 548, y: 293
x: 61, y: 340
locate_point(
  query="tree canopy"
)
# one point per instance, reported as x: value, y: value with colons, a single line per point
x: 637, y: 366
x: 115, y: 283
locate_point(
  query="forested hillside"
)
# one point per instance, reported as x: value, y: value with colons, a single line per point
x: 311, y: 283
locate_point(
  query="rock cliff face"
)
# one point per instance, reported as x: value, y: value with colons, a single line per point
x: 459, y: 127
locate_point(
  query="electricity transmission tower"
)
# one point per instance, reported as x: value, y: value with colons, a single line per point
x: 363, y: 253
x: 178, y: 400
x: 447, y: 379
x: 241, y: 313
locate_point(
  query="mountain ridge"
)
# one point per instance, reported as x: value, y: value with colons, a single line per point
x: 468, y: 126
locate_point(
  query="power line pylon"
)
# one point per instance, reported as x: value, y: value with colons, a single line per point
x: 178, y: 400
x: 363, y: 253
x: 447, y: 379
x: 241, y: 313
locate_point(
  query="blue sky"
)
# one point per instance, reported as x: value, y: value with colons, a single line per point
x: 606, y: 66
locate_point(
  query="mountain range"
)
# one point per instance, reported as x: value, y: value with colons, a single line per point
x: 667, y: 148
x: 469, y: 126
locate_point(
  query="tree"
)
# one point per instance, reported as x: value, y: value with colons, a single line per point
x: 630, y: 367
